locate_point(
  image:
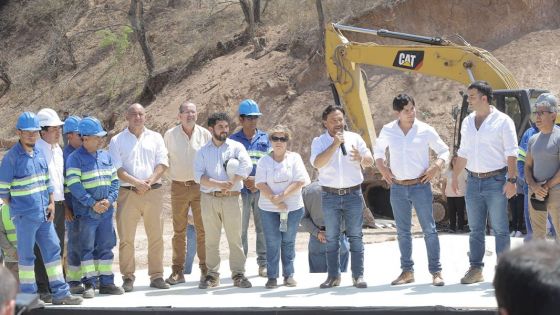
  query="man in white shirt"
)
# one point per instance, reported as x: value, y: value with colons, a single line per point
x: 182, y: 143
x: 140, y: 157
x: 51, y: 131
x: 488, y: 150
x: 339, y: 156
x: 220, y: 186
x: 409, y: 173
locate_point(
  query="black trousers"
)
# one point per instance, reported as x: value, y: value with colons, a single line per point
x: 40, y: 271
x: 517, y: 205
x: 456, y: 207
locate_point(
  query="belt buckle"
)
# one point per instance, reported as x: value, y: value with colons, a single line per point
x: 342, y: 191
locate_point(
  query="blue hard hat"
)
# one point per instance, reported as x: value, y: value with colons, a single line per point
x: 90, y: 126
x: 71, y: 124
x: 28, y: 121
x: 249, y: 108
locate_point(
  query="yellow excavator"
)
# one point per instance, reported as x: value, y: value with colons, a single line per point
x: 433, y: 56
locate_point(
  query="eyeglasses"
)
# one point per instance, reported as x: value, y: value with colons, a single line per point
x: 281, y: 139
x: 540, y: 113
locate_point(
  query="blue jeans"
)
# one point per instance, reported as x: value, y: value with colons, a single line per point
x: 191, y: 249
x: 402, y: 199
x: 318, y: 254
x: 486, y: 201
x: 251, y: 204
x: 348, y: 209
x: 280, y: 245
x: 97, y: 240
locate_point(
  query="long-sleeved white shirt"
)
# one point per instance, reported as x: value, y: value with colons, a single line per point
x: 410, y: 153
x: 488, y: 148
x: 55, y: 160
x: 138, y: 156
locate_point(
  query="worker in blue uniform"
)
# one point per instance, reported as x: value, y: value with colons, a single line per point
x: 92, y: 180
x: 25, y: 187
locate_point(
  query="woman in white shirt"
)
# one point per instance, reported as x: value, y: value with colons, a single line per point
x: 280, y: 177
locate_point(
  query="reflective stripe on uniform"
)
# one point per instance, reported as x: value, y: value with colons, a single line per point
x: 105, y: 267
x: 54, y: 271
x: 88, y: 269
x: 73, y: 273
x: 26, y: 274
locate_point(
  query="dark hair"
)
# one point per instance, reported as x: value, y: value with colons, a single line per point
x: 401, y: 101
x: 330, y: 109
x: 483, y: 88
x: 9, y: 287
x: 527, y: 279
x: 214, y: 118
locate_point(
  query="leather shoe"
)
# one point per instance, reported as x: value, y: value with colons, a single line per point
x: 176, y: 278
x: 330, y: 282
x: 159, y: 284
x: 359, y: 283
x: 128, y: 284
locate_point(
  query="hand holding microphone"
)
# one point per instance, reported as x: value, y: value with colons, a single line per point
x: 340, y: 138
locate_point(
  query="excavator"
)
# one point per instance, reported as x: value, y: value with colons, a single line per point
x: 432, y: 56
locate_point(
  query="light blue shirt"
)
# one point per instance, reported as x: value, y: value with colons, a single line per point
x: 210, y: 161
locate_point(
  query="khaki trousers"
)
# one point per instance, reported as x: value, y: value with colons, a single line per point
x: 539, y: 218
x: 182, y: 196
x: 130, y: 208
x: 226, y: 211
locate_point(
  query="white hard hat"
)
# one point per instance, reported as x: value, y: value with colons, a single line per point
x: 231, y: 167
x: 48, y: 118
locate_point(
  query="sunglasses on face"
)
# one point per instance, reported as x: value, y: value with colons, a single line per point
x: 540, y: 113
x: 250, y: 117
x: 281, y: 139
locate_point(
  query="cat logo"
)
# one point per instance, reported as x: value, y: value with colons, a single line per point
x: 409, y: 59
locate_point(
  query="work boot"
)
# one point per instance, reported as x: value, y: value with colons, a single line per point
x: 89, y: 291
x: 68, y: 300
x: 158, y: 283
x: 176, y: 278
x: 290, y: 282
x: 76, y: 289
x: 404, y: 277
x: 359, y: 282
x: 262, y: 271
x: 474, y: 275
x: 128, y: 284
x: 45, y: 297
x: 437, y: 279
x: 241, y: 281
x: 271, y: 284
x: 330, y: 282
x: 209, y: 282
x: 111, y: 289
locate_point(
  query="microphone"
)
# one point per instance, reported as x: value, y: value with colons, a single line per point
x: 343, y: 149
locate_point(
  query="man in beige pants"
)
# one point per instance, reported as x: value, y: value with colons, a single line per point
x: 140, y: 157
x: 220, y: 184
x: 182, y: 142
x: 542, y: 167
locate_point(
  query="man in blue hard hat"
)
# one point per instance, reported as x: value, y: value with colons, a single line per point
x: 73, y: 271
x: 257, y: 145
x: 92, y: 180
x: 26, y: 188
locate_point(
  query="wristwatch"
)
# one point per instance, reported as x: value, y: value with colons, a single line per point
x: 512, y: 180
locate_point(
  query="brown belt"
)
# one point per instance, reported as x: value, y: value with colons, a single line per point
x: 489, y: 174
x: 224, y: 194
x: 408, y: 182
x: 341, y: 191
x: 185, y: 183
x: 154, y: 186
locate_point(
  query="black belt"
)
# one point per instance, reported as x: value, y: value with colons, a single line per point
x: 488, y: 174
x: 59, y: 202
x: 341, y: 191
x: 154, y: 186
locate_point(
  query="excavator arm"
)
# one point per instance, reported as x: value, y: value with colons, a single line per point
x: 432, y: 56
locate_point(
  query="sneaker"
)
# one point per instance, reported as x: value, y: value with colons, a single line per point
x: 359, y: 283
x: 474, y: 275
x: 404, y: 277
x: 175, y: 278
x: 271, y: 284
x: 45, y: 297
x: 330, y: 282
x: 110, y: 289
x: 518, y: 234
x: 512, y: 234
x: 69, y: 300
x: 76, y: 289
x: 290, y: 282
x: 262, y: 271
x: 209, y: 282
x: 241, y: 281
x: 89, y: 291
x: 437, y: 279
x: 158, y: 283
x: 128, y: 284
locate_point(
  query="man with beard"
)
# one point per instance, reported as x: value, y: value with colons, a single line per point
x: 182, y: 142
x: 140, y: 157
x: 220, y: 183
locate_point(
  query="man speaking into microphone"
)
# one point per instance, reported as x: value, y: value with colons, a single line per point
x: 340, y: 175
